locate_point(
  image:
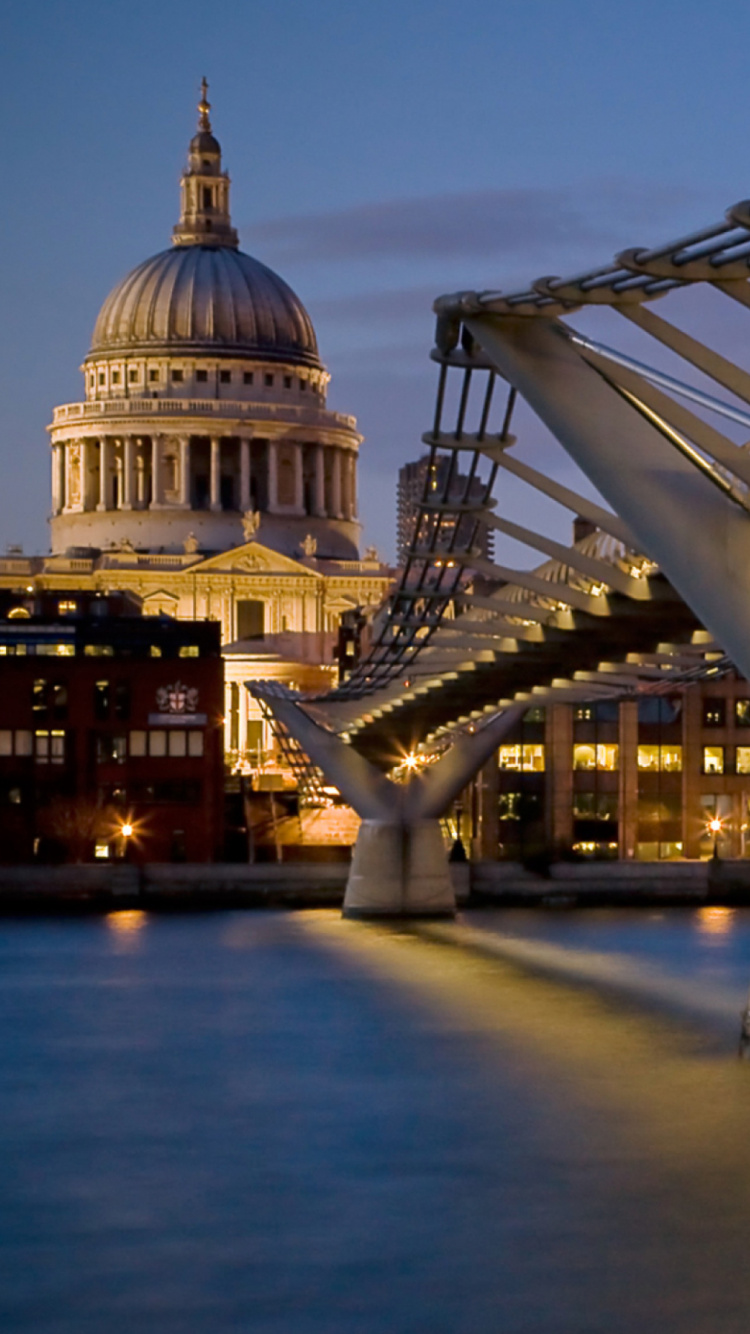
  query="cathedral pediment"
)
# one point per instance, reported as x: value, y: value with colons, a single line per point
x: 253, y: 558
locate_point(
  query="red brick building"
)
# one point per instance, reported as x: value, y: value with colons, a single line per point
x: 110, y: 731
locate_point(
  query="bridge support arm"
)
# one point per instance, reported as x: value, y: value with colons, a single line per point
x: 697, y: 534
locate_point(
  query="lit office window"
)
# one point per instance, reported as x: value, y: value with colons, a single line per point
x: 526, y: 758
x: 713, y: 759
x: 714, y: 712
x: 742, y: 712
x: 742, y: 764
x: 509, y: 805
x: 668, y: 759
x: 604, y: 756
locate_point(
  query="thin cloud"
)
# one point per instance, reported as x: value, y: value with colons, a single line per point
x: 481, y: 223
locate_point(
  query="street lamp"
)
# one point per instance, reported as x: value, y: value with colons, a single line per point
x: 715, y: 826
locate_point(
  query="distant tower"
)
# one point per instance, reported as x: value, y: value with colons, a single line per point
x: 411, y: 489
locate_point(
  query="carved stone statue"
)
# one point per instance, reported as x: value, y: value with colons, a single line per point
x: 190, y: 545
x: 250, y: 524
x: 309, y: 545
x: 371, y: 553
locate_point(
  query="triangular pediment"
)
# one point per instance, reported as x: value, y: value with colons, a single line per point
x: 253, y: 558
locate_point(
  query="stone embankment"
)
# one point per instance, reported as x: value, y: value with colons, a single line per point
x: 163, y: 886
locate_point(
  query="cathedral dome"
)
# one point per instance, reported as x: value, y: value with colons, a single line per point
x: 205, y: 299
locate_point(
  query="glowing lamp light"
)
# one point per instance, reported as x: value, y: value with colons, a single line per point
x: 715, y: 825
x: 127, y: 830
x: 411, y: 761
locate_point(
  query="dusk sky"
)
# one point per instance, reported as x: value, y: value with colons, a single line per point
x: 380, y: 154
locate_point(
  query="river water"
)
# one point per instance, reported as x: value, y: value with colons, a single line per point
x: 287, y: 1124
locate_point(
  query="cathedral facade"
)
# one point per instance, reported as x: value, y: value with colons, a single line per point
x: 203, y: 470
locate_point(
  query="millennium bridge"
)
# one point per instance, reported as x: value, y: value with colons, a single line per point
x: 657, y: 588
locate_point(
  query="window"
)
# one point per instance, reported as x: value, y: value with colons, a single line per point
x: 23, y: 743
x: 137, y: 744
x: 101, y: 700
x: 49, y: 747
x: 101, y: 378
x: 59, y: 701
x: 6, y: 742
x: 56, y: 650
x: 189, y: 651
x: 604, y: 756
x: 115, y: 377
x: 659, y: 710
x: 154, y: 651
x: 39, y: 696
x: 122, y: 701
x: 195, y: 744
x: 177, y: 375
x: 19, y: 614
x: 67, y: 607
x: 714, y: 713
x: 225, y: 377
x: 111, y: 749
x: 268, y: 380
x: 742, y: 762
x: 132, y: 375
x: 667, y: 759
x: 177, y: 743
x: 98, y: 651
x: 584, y: 713
x: 157, y: 743
x: 250, y: 619
x: 207, y: 196
x: 201, y: 376
x: 303, y: 386
x: 595, y: 805
x: 535, y: 715
x: 287, y: 381
x: 742, y: 712
x: 509, y: 805
x: 526, y: 758
x: 153, y: 376
x: 247, y: 378
x: 713, y: 759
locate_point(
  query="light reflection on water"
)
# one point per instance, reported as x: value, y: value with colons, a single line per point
x: 715, y: 922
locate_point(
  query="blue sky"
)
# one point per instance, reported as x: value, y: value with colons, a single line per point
x: 380, y: 154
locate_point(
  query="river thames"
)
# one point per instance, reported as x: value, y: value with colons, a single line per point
x: 288, y: 1124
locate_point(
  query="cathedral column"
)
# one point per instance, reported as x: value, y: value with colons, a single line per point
x: 273, y: 478
x: 336, y: 484
x: 156, y: 479
x: 244, y: 477
x: 103, y: 473
x: 299, y: 485
x: 58, y: 477
x: 346, y: 485
x: 319, y: 506
x: 215, y: 473
x: 140, y: 475
x: 185, y: 472
x: 127, y: 473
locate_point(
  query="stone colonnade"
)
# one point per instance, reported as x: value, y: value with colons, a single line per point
x: 156, y: 471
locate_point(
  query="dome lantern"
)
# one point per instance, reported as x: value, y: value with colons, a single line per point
x: 204, y: 188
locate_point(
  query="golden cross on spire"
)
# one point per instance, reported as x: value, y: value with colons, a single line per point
x: 204, y: 106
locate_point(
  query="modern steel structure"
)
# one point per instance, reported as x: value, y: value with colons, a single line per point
x: 662, y: 582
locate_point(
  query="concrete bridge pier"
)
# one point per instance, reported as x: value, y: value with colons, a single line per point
x: 399, y: 870
x: 399, y: 866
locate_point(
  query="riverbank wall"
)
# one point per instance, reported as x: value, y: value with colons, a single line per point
x: 165, y: 886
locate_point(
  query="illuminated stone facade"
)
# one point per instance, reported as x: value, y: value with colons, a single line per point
x: 203, y: 471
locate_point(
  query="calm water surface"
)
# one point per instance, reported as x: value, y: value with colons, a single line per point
x: 286, y: 1124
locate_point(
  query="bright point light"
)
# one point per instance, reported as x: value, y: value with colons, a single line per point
x: 411, y: 761
x: 126, y: 830
x: 715, y: 825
